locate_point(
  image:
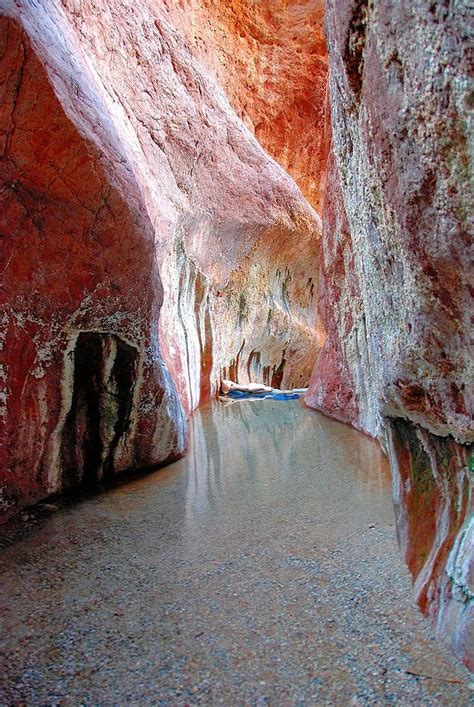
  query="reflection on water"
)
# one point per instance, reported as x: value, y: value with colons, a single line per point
x: 261, y: 568
x: 255, y: 448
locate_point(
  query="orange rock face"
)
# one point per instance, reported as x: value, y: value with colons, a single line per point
x: 435, y: 525
x: 270, y: 58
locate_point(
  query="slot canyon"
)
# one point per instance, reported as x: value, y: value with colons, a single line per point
x: 273, y: 192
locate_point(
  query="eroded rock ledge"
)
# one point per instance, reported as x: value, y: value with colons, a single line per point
x: 86, y: 392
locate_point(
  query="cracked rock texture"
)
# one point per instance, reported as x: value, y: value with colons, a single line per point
x: 152, y: 245
x: 394, y: 279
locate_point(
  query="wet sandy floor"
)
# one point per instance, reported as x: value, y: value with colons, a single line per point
x: 261, y: 569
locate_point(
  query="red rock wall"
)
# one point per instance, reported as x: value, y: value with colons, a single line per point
x: 434, y: 512
x: 331, y: 388
x: 149, y: 238
x: 394, y: 285
x: 86, y: 392
x: 270, y: 58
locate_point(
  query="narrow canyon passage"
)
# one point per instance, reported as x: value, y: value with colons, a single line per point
x: 262, y: 568
x: 199, y: 194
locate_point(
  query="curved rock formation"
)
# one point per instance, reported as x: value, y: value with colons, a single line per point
x: 86, y: 391
x: 131, y: 185
x: 395, y: 274
x: 154, y: 248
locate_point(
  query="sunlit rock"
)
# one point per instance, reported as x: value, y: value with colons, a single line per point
x: 270, y: 58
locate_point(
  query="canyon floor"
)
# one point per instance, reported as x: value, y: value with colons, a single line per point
x: 260, y: 569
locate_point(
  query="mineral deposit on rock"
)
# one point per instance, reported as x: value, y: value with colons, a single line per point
x: 394, y: 287
x: 153, y: 247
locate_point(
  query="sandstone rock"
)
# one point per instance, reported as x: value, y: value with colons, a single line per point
x: 331, y: 388
x: 227, y: 386
x: 435, y: 523
x: 395, y: 262
x: 153, y: 246
x: 86, y: 392
x: 270, y: 58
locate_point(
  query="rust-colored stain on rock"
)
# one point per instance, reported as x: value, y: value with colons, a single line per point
x: 394, y: 290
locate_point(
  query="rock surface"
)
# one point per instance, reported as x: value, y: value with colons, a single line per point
x: 86, y: 392
x: 270, y: 58
x: 395, y: 270
x: 129, y: 185
x: 435, y: 525
x: 153, y: 248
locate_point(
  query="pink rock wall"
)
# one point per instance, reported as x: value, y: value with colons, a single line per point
x: 147, y: 231
x: 395, y: 269
x: 331, y: 388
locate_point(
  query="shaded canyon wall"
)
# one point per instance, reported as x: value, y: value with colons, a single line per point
x: 86, y: 393
x: 394, y: 280
x: 152, y: 245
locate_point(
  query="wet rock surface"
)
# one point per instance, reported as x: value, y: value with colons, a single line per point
x: 435, y: 522
x: 262, y: 568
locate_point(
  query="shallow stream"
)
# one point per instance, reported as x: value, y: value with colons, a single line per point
x: 260, y: 569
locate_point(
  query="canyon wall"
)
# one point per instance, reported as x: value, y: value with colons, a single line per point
x: 152, y: 246
x: 86, y: 393
x: 270, y: 58
x: 394, y: 279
